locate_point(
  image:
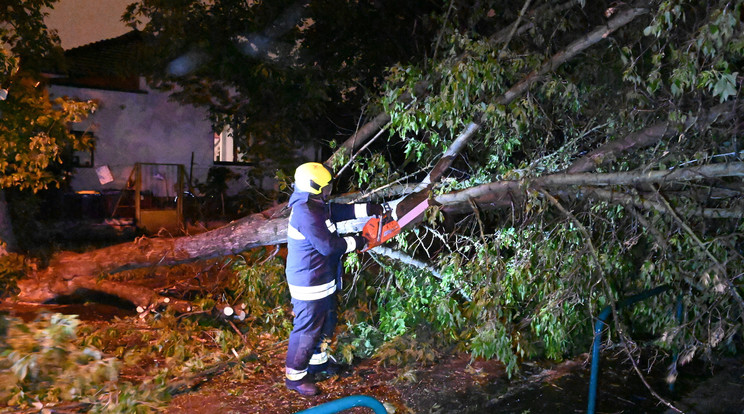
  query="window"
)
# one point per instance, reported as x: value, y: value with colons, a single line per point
x: 83, y: 159
x: 226, y: 149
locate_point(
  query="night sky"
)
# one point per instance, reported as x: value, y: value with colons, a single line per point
x: 80, y: 22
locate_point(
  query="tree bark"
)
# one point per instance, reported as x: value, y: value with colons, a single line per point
x: 652, y: 203
x: 504, y: 193
x: 68, y: 272
x: 7, y: 237
x: 649, y: 136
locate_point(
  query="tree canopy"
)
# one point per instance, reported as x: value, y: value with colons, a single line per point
x: 284, y: 73
x: 658, y: 94
x: 34, y: 131
x: 543, y: 89
x: 575, y: 153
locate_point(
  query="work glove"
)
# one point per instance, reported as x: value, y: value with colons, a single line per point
x: 361, y: 242
x: 374, y: 209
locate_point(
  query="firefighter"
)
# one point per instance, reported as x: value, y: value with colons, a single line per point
x: 314, y: 251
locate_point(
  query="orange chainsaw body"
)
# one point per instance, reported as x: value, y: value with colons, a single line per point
x: 377, y: 235
x: 379, y: 230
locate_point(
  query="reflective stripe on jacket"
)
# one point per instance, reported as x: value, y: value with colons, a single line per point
x: 314, y: 248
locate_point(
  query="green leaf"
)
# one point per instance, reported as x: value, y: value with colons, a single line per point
x: 725, y: 86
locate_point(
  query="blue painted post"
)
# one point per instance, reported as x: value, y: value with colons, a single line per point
x: 679, y: 315
x: 598, y: 339
x: 346, y: 403
x: 595, y: 358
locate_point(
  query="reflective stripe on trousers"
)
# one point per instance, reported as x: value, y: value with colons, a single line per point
x: 312, y: 292
x: 294, y: 375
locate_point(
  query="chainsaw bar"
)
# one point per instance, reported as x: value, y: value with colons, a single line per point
x: 379, y: 230
x: 415, y: 213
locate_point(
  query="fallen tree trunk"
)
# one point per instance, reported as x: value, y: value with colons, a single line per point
x: 504, y: 193
x: 68, y: 272
x: 651, y: 203
x: 45, y: 288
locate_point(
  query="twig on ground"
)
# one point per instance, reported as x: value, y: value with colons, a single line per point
x: 643, y: 378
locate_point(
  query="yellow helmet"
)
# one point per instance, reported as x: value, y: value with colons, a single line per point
x: 311, y: 177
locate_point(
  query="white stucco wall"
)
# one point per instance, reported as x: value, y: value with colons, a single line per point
x: 141, y: 127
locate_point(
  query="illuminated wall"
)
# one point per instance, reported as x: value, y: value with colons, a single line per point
x: 144, y: 127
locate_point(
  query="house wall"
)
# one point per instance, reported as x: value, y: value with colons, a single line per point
x: 142, y: 127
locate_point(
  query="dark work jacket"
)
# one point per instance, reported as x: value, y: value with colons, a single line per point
x: 314, y: 255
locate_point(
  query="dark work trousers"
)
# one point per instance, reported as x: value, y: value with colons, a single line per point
x: 314, y: 321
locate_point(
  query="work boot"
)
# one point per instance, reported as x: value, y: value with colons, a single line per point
x: 304, y: 386
x: 326, y: 370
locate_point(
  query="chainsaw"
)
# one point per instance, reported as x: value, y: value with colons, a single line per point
x: 378, y: 230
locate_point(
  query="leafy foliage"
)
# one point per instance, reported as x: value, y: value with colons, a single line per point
x: 59, y: 361
x: 526, y: 282
x: 43, y: 364
x: 12, y: 267
x: 132, y: 365
x: 34, y: 129
x: 261, y: 289
x: 513, y: 278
